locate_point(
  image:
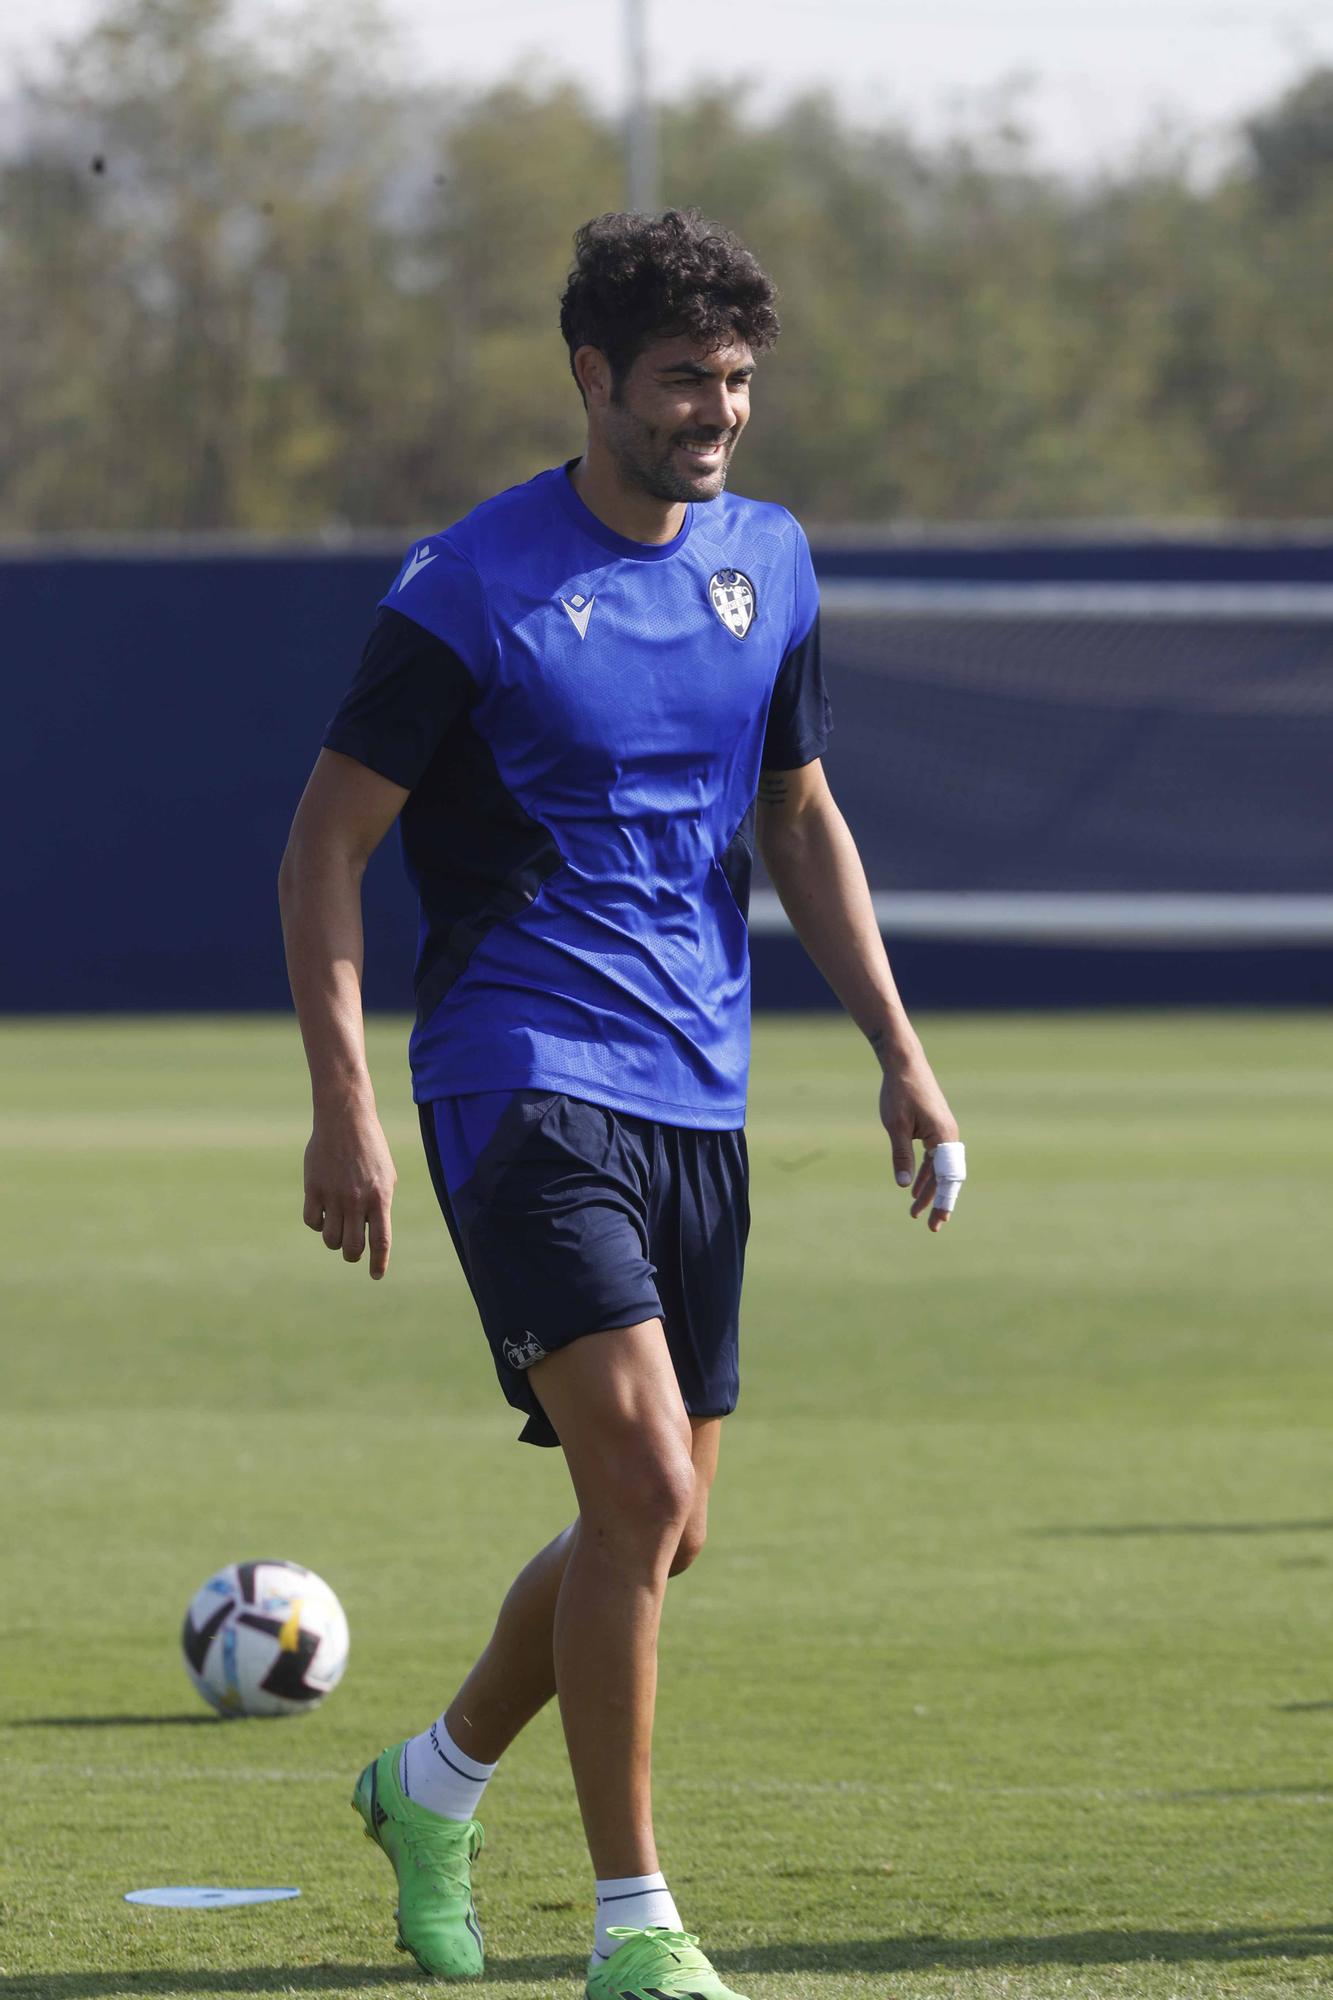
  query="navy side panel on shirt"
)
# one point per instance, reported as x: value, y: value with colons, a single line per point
x: 474, y: 855
x: 580, y: 721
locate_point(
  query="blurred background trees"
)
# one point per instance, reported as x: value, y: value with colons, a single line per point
x: 249, y: 283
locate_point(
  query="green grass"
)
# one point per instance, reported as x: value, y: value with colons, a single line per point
x: 1007, y: 1671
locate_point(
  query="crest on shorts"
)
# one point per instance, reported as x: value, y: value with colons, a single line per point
x: 522, y: 1354
x: 731, y: 594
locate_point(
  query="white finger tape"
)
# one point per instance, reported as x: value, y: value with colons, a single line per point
x: 949, y: 1160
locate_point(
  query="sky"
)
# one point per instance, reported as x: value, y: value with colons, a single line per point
x: 1092, y: 77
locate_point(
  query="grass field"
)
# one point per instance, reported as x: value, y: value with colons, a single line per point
x: 1007, y: 1672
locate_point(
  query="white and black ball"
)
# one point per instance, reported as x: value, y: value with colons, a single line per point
x: 265, y: 1638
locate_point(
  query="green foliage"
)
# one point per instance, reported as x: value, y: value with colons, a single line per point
x: 1293, y: 143
x: 249, y: 282
x: 1005, y: 1675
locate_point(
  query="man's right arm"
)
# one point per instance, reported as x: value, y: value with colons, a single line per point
x: 344, y: 813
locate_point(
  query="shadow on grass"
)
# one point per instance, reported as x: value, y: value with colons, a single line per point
x: 115, y: 1721
x: 924, y: 1953
x: 1111, y: 1529
x: 1236, y: 1945
x: 1317, y: 1789
x: 263, y: 1978
x: 192, y: 1979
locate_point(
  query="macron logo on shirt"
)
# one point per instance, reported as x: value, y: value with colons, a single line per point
x: 420, y: 558
x: 580, y: 611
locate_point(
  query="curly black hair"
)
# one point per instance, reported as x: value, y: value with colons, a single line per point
x: 638, y: 278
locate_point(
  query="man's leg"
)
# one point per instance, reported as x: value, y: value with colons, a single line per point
x: 515, y: 1676
x: 642, y: 1473
x: 615, y: 1402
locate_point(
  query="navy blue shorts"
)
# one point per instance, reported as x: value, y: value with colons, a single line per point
x: 571, y: 1219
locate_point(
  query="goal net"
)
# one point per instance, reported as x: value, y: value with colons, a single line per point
x: 1061, y: 763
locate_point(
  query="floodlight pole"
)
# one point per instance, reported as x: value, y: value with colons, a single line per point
x: 640, y: 124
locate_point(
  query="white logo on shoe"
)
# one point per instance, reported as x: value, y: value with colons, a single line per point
x: 580, y: 611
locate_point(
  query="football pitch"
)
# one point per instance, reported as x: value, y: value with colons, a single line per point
x: 1008, y: 1670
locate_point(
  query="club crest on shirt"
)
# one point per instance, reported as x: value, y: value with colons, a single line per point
x: 731, y: 595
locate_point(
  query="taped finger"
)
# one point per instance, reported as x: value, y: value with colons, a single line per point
x: 949, y: 1160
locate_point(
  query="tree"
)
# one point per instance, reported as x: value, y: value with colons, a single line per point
x: 1291, y: 145
x: 246, y: 285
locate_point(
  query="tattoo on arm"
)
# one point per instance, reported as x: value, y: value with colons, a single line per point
x: 876, y: 1040
x: 773, y: 788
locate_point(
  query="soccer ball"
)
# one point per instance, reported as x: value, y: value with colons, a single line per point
x: 264, y: 1638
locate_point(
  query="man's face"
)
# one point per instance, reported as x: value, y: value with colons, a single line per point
x: 676, y: 419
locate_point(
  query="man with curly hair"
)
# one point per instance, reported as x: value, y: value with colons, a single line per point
x: 581, y: 703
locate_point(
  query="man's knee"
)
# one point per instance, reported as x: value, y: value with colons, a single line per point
x: 645, y: 1495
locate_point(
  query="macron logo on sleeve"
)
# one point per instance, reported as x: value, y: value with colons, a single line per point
x: 420, y: 558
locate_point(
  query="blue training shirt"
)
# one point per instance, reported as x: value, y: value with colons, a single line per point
x: 581, y: 721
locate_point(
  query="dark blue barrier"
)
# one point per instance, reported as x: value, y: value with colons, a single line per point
x: 1074, y: 559
x: 163, y: 710
x: 962, y: 975
x: 164, y: 714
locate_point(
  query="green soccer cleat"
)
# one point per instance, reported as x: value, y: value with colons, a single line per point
x: 432, y: 1858
x: 657, y: 1965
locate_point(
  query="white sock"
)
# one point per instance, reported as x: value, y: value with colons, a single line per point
x: 436, y: 1774
x: 639, y: 1902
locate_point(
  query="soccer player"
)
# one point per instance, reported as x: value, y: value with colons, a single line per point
x: 581, y: 702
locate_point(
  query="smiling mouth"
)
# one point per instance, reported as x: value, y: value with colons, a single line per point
x: 702, y: 453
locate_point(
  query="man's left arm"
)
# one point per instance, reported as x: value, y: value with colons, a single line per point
x: 812, y: 860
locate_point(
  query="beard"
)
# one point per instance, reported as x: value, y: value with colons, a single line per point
x: 651, y: 461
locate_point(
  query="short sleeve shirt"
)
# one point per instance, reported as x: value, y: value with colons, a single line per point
x: 580, y: 721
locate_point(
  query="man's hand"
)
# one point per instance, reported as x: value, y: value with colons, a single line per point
x: 349, y: 1183
x: 912, y: 1106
